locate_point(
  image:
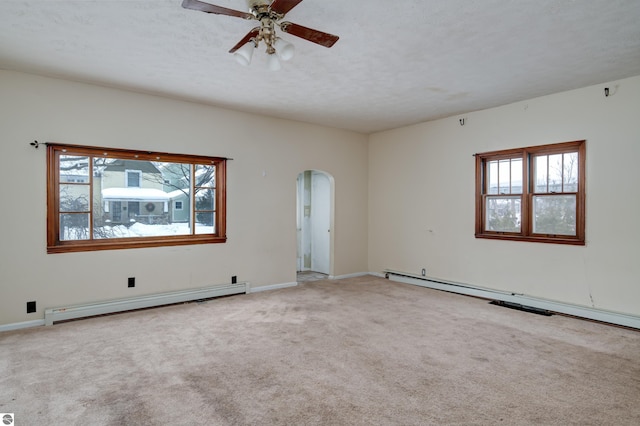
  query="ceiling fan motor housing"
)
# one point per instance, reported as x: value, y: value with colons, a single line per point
x: 254, y: 4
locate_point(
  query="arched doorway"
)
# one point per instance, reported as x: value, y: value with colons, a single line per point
x: 314, y: 207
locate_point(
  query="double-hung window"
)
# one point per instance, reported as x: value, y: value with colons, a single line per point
x: 532, y: 194
x: 104, y: 198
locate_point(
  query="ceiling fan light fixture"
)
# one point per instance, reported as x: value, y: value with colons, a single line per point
x: 284, y: 49
x: 244, y: 54
x: 269, y: 13
x: 273, y: 62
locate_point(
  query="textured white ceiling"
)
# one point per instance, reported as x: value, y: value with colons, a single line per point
x: 396, y: 63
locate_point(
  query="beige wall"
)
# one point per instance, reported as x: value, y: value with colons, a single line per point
x: 413, y: 187
x: 421, y: 199
x: 261, y: 223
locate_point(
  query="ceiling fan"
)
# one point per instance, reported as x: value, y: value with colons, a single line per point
x: 270, y: 14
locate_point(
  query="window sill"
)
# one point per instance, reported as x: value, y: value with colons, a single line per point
x: 534, y: 239
x: 130, y: 243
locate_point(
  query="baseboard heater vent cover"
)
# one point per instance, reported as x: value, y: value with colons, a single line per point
x: 618, y: 318
x: 520, y: 307
x: 65, y: 313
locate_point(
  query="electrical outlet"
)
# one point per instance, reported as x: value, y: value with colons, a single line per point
x: 131, y: 282
x: 424, y: 272
x: 31, y: 307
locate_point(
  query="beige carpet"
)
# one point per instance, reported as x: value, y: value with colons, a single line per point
x: 361, y: 351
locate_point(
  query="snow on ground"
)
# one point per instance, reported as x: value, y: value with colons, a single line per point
x: 143, y: 230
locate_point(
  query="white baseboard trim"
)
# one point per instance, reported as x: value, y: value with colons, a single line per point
x: 21, y: 325
x: 271, y: 287
x: 377, y: 274
x: 611, y: 317
x: 341, y: 277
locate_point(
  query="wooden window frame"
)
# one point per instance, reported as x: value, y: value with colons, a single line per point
x: 528, y: 192
x: 56, y: 245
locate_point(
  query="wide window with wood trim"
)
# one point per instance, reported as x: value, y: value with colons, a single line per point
x: 532, y: 194
x: 104, y: 198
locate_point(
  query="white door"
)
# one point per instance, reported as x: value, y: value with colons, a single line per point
x: 320, y: 222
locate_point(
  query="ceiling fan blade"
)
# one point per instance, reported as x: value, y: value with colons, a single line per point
x: 218, y: 10
x: 314, y: 36
x: 284, y: 6
x: 251, y: 34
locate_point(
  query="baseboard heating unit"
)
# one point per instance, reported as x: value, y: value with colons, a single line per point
x: 617, y: 318
x: 52, y: 315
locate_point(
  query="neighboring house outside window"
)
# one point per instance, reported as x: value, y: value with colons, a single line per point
x: 100, y: 198
x: 180, y: 206
x: 132, y: 191
x: 532, y: 194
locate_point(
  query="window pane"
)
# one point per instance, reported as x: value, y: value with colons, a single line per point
x: 74, y: 198
x: 205, y: 175
x: 74, y: 169
x: 492, y: 177
x: 541, y: 173
x: 74, y: 226
x: 205, y: 223
x: 504, y: 176
x: 554, y: 215
x: 205, y: 199
x: 555, y: 173
x: 503, y: 214
x: 516, y: 176
x: 570, y: 171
